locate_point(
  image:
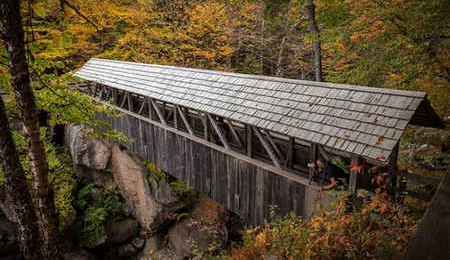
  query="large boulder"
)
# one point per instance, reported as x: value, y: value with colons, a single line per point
x: 85, y: 151
x: 149, y: 204
x: 118, y: 232
x: 203, y: 232
x: 91, y: 158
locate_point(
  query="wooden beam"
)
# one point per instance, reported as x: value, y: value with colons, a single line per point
x: 273, y: 144
x: 175, y: 117
x: 95, y: 90
x: 218, y: 131
x: 150, y: 110
x: 357, y: 170
x: 205, y: 128
x: 164, y: 110
x: 392, y: 168
x: 109, y: 93
x: 234, y: 133
x: 268, y: 148
x: 266, y: 166
x: 90, y: 89
x: 313, y: 152
x: 158, y: 112
x: 249, y: 137
x: 130, y: 103
x: 141, y: 109
x: 114, y: 96
x: 124, y: 99
x: 185, y: 121
x: 323, y: 153
x: 289, y: 162
x: 100, y: 92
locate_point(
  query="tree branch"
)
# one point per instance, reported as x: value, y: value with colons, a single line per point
x: 77, y: 11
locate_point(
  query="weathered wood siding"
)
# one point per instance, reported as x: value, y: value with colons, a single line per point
x: 240, y: 186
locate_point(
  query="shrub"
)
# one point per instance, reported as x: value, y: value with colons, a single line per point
x: 97, y: 208
x: 157, y: 173
x: 378, y: 230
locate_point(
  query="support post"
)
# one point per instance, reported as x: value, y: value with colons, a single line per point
x: 313, y: 158
x: 218, y: 131
x: 357, y: 169
x: 141, y: 109
x: 289, y: 162
x: 175, y: 117
x: 124, y: 99
x: 150, y: 108
x: 102, y: 89
x: 130, y: 102
x: 158, y: 112
x: 323, y: 153
x: 273, y: 144
x: 185, y: 121
x: 234, y: 134
x: 249, y: 133
x: 393, y: 171
x: 114, y: 96
x: 267, y: 147
x: 205, y: 128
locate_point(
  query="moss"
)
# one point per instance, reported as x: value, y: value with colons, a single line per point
x: 155, y: 172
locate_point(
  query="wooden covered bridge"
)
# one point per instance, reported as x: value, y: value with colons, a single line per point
x: 246, y: 140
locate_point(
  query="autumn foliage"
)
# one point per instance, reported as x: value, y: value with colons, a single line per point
x: 375, y: 230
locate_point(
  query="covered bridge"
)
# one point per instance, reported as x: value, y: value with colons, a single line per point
x: 246, y: 140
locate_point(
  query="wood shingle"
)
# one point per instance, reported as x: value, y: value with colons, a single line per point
x: 353, y: 119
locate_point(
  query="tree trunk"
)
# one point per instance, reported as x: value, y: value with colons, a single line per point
x: 432, y: 240
x: 314, y: 30
x: 17, y: 191
x: 42, y: 197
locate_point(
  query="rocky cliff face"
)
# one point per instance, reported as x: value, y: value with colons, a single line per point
x: 157, y: 222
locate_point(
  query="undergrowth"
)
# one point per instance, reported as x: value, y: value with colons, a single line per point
x: 96, y: 207
x: 377, y: 230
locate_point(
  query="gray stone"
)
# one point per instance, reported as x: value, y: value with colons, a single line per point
x: 85, y: 151
x: 150, y: 203
x: 152, y: 246
x: 121, y: 231
x: 204, y: 231
x: 130, y: 178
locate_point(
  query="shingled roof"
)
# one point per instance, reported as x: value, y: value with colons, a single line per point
x: 353, y: 119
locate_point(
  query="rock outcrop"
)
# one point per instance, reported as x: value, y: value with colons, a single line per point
x: 162, y: 226
x: 203, y: 232
x: 150, y: 200
x: 91, y: 153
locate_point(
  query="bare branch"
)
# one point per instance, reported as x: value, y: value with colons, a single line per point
x: 77, y: 11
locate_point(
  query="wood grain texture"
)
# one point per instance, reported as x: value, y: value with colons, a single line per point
x: 240, y: 186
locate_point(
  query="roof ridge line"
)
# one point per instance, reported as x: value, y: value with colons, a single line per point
x: 361, y: 88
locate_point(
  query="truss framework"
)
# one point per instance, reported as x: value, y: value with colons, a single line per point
x: 281, y: 151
